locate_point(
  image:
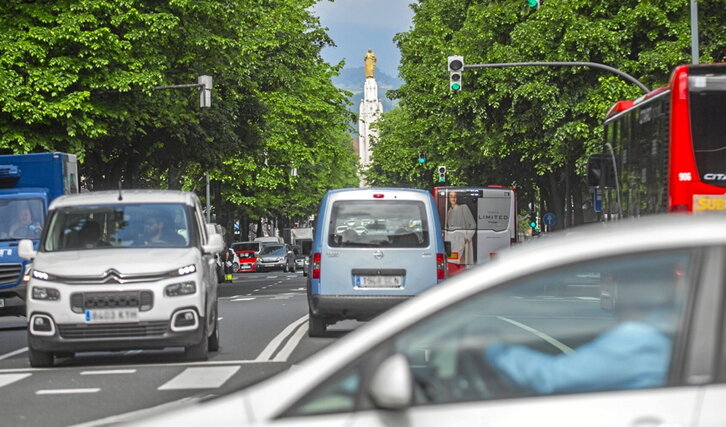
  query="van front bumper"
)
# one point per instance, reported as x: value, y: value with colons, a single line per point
x: 111, y: 337
x: 353, y: 306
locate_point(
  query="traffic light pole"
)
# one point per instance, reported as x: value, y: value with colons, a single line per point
x: 622, y: 74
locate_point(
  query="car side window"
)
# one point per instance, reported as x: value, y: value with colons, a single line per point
x: 609, y: 324
x: 604, y: 325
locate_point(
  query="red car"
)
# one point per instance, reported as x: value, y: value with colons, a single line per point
x: 246, y: 260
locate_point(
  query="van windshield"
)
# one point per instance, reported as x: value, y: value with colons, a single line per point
x: 115, y: 226
x: 378, y: 223
x: 21, y: 219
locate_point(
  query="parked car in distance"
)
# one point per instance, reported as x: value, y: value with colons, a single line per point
x: 247, y: 261
x: 525, y: 340
x: 276, y: 257
x: 247, y: 246
x: 123, y: 270
x: 300, y: 262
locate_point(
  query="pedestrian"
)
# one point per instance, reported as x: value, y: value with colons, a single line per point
x: 228, y: 264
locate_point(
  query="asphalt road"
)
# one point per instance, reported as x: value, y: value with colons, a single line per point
x: 263, y: 328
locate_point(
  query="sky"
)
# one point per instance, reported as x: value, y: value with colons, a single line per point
x: 359, y: 25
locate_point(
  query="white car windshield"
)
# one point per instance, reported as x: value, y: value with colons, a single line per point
x: 113, y: 226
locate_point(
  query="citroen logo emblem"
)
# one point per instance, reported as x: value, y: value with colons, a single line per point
x: 377, y: 254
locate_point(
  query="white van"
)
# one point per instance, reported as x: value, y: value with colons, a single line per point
x: 119, y: 270
x: 372, y: 248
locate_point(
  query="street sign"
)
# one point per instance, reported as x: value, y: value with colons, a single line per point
x: 549, y: 219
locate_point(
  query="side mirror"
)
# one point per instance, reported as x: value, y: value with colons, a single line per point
x: 214, y: 245
x: 26, y: 249
x: 392, y: 384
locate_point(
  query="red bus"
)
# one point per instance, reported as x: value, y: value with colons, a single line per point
x: 665, y: 151
x: 477, y: 222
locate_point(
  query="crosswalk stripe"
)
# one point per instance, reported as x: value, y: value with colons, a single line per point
x: 207, y: 377
x: 6, y: 379
x: 13, y: 353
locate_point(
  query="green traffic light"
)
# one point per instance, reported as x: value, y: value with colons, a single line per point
x: 421, y: 160
x: 533, y: 224
x: 533, y: 3
x: 455, y: 86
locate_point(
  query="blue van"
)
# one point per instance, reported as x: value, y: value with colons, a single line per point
x: 372, y: 249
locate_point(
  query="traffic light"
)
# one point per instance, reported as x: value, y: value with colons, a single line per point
x: 456, y: 66
x: 533, y: 4
x: 533, y: 220
x: 422, y: 157
x: 442, y: 173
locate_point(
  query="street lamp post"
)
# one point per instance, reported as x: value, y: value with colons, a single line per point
x: 694, y: 32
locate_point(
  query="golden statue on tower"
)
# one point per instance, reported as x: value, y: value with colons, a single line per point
x: 370, y: 63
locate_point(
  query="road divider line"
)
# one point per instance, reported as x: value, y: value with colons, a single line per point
x: 68, y: 391
x: 557, y: 344
x: 110, y: 372
x: 275, y: 343
x: 242, y: 299
x: 11, y: 378
x: 206, y: 377
x: 13, y: 353
x: 285, y: 352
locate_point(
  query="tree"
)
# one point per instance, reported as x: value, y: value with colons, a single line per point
x: 532, y: 127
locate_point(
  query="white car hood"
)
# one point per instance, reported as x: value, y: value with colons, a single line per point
x: 123, y: 260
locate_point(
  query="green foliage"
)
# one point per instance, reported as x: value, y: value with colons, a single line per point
x: 79, y: 76
x: 529, y: 127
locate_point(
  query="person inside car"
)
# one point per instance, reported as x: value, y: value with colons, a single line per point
x: 158, y: 231
x: 634, y: 353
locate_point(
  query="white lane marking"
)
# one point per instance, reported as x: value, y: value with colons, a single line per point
x: 133, y: 352
x: 110, y: 372
x: 291, y: 344
x: 271, y: 277
x: 593, y: 299
x: 300, y: 289
x: 152, y: 365
x: 193, y: 378
x: 242, y: 299
x: 11, y: 378
x: 220, y: 318
x: 557, y: 344
x: 13, y: 353
x: 68, y: 391
x: 272, y: 346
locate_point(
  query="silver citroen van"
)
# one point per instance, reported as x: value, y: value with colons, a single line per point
x: 123, y: 270
x: 372, y: 249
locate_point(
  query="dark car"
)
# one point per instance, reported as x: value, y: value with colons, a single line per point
x: 276, y: 257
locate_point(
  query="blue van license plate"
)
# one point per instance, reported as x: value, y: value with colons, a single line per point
x: 378, y: 281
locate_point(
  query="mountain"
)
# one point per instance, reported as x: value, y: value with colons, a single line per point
x: 352, y: 80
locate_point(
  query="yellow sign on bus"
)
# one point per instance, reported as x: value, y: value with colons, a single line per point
x: 709, y: 203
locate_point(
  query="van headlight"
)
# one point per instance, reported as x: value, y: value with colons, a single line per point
x: 187, y: 269
x: 41, y: 275
x: 47, y: 294
x: 178, y: 289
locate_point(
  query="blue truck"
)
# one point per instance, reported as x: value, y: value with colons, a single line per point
x: 28, y: 183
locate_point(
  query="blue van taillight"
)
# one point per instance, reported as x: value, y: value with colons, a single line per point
x: 440, y: 267
x: 316, y: 266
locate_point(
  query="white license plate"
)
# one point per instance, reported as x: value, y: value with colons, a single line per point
x: 244, y: 267
x: 113, y: 315
x: 2, y: 302
x: 378, y: 281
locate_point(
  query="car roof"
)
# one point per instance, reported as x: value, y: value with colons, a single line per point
x: 387, y: 193
x: 125, y: 197
x: 591, y: 242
